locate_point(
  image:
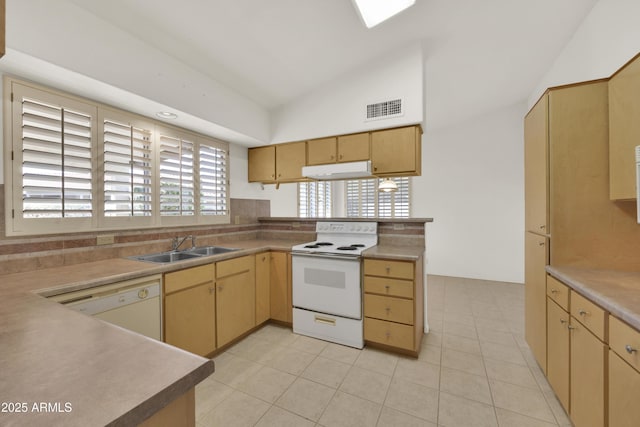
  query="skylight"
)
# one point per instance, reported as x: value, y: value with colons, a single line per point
x: 374, y: 12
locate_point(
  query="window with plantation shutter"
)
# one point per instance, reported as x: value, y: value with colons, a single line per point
x: 314, y: 199
x: 177, y: 188
x: 364, y: 200
x: 213, y: 179
x: 128, y: 169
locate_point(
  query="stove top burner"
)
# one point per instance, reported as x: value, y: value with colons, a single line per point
x: 358, y: 245
x: 312, y: 246
x: 348, y: 248
x: 323, y: 244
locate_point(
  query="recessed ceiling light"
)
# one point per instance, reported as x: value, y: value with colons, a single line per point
x: 166, y: 115
x: 374, y: 12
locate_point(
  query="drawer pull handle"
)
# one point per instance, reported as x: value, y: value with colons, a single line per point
x: 325, y: 320
x: 388, y: 269
x: 541, y: 243
x: 388, y: 310
x: 388, y: 334
x: 563, y: 321
x: 387, y: 287
x: 212, y: 289
x: 554, y: 291
x: 630, y: 349
x: 570, y: 327
x: 583, y: 312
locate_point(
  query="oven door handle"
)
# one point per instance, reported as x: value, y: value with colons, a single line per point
x: 328, y: 256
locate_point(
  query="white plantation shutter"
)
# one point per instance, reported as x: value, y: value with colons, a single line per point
x: 128, y: 164
x: 213, y: 179
x: 177, y: 188
x: 52, y: 167
x: 314, y: 199
x: 364, y: 199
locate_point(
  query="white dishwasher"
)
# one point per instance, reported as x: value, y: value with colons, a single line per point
x: 133, y: 304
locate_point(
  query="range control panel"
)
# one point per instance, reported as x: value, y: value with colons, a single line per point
x: 347, y: 227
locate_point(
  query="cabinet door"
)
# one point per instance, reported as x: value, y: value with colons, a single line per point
x: 235, y: 304
x: 396, y: 151
x: 353, y: 148
x: 624, y: 389
x: 587, y: 377
x: 263, y: 275
x: 624, y: 130
x: 536, y: 187
x: 290, y: 158
x: 535, y: 311
x: 262, y: 164
x: 558, y: 351
x: 280, y: 282
x: 321, y: 151
x: 190, y: 319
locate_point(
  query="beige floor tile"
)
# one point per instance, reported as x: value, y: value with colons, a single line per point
x: 493, y: 325
x: 306, y: 398
x: 430, y: 354
x: 326, y: 371
x: 258, y: 350
x: 377, y: 361
x: 291, y: 360
x: 436, y: 325
x: 277, y: 334
x: 522, y: 400
x: 465, y: 319
x: 511, y: 419
x: 497, y: 337
x: 346, y: 410
x: 465, y: 385
x: 340, y: 353
x: 541, y: 380
x: 308, y: 344
x: 433, y: 338
x: 232, y: 370
x: 366, y: 384
x: 278, y: 417
x: 267, y: 384
x: 460, y: 329
x: 237, y: 410
x: 501, y: 352
x: 510, y: 373
x: 466, y: 362
x: 454, y: 342
x: 392, y: 418
x: 418, y: 372
x: 556, y: 407
x: 457, y: 411
x: 209, y: 393
x: 413, y: 399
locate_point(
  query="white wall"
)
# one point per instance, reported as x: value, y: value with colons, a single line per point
x: 606, y: 40
x: 472, y: 185
x: 339, y: 106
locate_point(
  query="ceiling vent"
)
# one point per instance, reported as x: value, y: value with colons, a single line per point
x: 384, y: 110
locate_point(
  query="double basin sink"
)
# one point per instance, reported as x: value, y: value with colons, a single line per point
x: 174, y: 256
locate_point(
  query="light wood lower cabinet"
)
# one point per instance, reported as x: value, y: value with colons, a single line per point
x: 536, y: 258
x: 280, y: 287
x: 558, y: 351
x: 235, y: 298
x: 393, y: 304
x: 624, y: 393
x: 263, y: 284
x: 190, y: 309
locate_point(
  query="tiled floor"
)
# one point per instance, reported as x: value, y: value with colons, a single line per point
x: 474, y: 369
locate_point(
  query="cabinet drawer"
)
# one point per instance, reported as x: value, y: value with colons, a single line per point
x: 391, y: 287
x: 388, y: 333
x: 389, y: 308
x: 387, y: 268
x: 558, y: 291
x: 235, y: 266
x: 589, y: 314
x: 625, y: 341
x: 187, y: 278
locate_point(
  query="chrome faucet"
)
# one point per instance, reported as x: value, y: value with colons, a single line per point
x: 175, y: 243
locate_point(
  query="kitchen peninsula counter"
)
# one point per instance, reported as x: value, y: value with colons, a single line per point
x: 85, y: 371
x: 618, y: 292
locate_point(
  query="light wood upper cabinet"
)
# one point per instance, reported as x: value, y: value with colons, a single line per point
x: 280, y: 287
x: 290, y: 158
x: 624, y: 130
x: 262, y: 164
x: 235, y: 298
x: 397, y: 151
x: 263, y: 283
x: 190, y: 309
x: 322, y: 151
x: 354, y: 148
x: 536, y: 180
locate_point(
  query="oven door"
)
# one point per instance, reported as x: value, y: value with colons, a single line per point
x: 327, y: 284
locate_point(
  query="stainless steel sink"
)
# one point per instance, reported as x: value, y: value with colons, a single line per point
x: 210, y: 250
x: 175, y: 256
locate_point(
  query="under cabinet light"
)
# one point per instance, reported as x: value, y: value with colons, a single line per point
x: 374, y: 12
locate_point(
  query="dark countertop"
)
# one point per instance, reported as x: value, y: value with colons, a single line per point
x: 618, y: 292
x: 50, y: 354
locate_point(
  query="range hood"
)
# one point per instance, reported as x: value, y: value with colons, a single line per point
x: 338, y: 171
